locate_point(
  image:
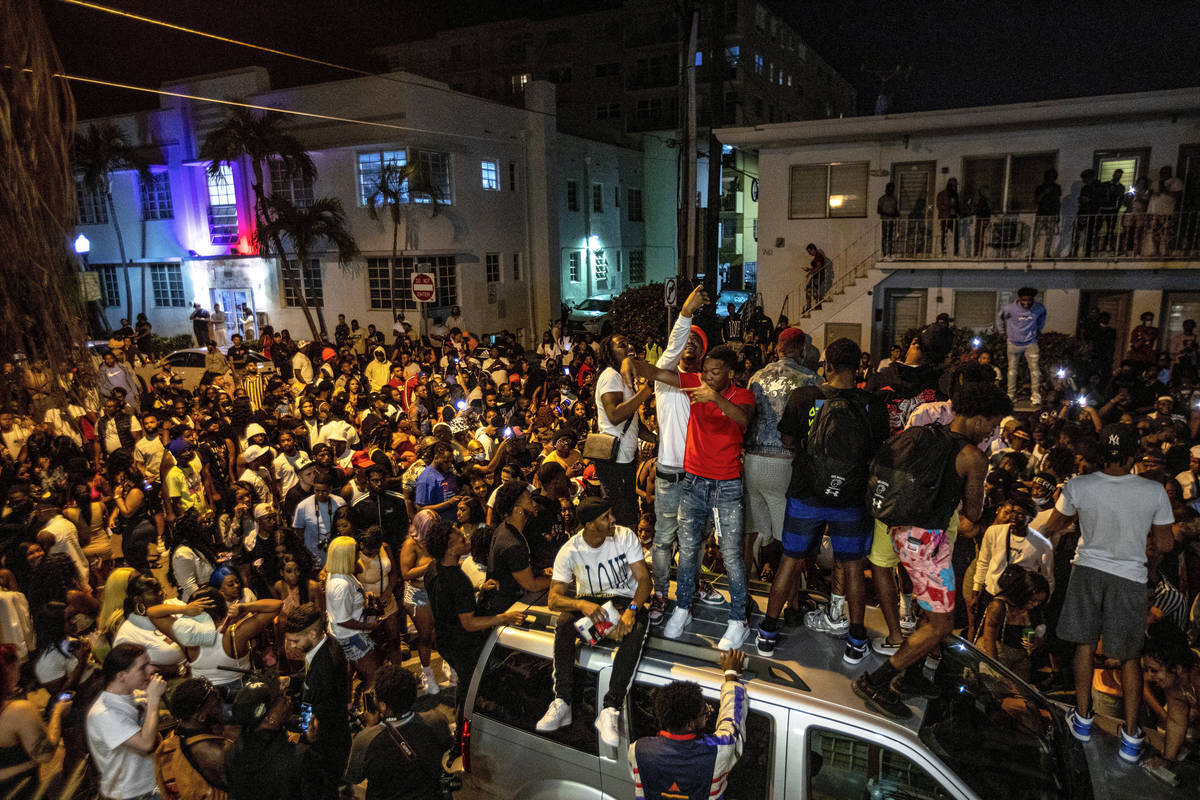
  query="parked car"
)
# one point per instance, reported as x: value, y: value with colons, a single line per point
x: 989, y: 736
x: 189, y: 365
x: 591, y: 316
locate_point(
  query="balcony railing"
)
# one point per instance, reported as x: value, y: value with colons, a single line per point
x: 1007, y: 237
x: 1028, y: 237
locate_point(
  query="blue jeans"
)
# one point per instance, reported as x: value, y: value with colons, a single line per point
x: 666, y: 524
x: 702, y: 499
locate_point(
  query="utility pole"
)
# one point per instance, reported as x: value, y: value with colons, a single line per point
x: 715, y: 71
x: 687, y: 231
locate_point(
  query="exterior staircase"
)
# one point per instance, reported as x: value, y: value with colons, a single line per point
x: 856, y: 272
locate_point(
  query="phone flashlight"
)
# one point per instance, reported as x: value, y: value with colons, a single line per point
x: 508, y: 432
x: 461, y: 405
x: 976, y: 342
x: 567, y: 371
x: 1061, y: 373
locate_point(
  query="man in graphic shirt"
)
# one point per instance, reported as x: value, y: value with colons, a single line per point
x: 605, y: 562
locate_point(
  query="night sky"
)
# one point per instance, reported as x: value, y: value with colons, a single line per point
x: 960, y: 53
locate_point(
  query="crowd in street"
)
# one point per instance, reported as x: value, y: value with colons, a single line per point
x: 286, y: 553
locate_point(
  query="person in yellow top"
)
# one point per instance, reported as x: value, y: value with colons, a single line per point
x: 565, y: 453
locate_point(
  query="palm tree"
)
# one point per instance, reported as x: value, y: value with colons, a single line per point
x: 260, y: 138
x: 304, y: 227
x: 102, y: 151
x: 395, y: 187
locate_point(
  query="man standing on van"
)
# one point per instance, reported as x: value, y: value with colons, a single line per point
x: 1020, y: 323
x: 1106, y: 597
x: 680, y: 762
x: 606, y: 564
x: 926, y: 549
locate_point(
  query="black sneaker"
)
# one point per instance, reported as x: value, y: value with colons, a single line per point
x: 856, y: 650
x: 766, y: 642
x: 881, y: 699
x: 915, y: 684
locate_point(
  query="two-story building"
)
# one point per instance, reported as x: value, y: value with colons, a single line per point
x: 526, y: 215
x: 1126, y: 248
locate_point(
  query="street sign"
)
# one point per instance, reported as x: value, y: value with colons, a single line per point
x: 670, y: 292
x: 423, y: 287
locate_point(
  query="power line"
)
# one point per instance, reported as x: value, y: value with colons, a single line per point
x: 285, y: 54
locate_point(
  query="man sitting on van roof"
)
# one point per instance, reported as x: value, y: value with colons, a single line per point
x: 605, y: 562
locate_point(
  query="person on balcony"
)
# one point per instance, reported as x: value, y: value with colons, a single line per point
x: 1164, y: 199
x: 1088, y: 216
x: 949, y: 210
x: 1112, y: 198
x: 1020, y: 323
x: 888, y: 209
x: 1048, y: 199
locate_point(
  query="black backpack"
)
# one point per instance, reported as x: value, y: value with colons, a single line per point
x: 906, y: 477
x: 837, y: 450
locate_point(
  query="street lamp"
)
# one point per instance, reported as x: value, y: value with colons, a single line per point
x: 83, y: 245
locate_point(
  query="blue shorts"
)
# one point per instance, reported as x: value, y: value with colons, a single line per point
x: 850, y: 530
x: 357, y: 646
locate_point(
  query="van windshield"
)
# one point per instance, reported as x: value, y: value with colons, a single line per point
x: 1000, y: 736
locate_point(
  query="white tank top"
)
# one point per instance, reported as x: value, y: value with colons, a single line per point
x: 213, y: 656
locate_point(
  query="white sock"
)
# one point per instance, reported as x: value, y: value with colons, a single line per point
x: 837, y: 607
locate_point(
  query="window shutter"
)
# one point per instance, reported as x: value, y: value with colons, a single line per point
x: 849, y: 182
x: 806, y: 191
x: 974, y: 310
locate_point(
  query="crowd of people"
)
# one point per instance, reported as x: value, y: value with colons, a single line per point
x: 364, y: 504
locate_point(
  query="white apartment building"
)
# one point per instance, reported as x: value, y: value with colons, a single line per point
x: 527, y: 217
x: 820, y: 182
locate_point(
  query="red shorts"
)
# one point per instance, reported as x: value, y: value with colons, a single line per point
x: 927, y: 556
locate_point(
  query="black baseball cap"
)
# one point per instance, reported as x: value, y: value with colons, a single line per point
x: 1119, y: 442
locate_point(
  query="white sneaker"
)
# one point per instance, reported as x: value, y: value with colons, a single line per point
x: 680, y: 618
x: 558, y: 715
x: 606, y: 726
x: 908, y: 613
x: 427, y: 684
x: 820, y: 620
x: 449, y: 677
x: 735, y: 634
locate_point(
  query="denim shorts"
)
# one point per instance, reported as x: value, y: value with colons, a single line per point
x: 804, y: 525
x: 357, y: 646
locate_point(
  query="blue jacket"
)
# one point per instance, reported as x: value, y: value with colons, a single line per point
x: 692, y: 767
x: 1020, y: 325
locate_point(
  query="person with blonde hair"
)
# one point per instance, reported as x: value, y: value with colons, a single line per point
x: 346, y: 602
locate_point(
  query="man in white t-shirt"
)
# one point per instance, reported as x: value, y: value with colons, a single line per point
x: 122, y: 724
x: 1011, y: 541
x: 617, y: 406
x: 59, y: 535
x: 605, y: 562
x: 313, y: 520
x: 287, y: 462
x: 148, y: 450
x: 1106, y: 598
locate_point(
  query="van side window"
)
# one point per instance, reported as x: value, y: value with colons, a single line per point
x: 516, y: 689
x: 751, y: 778
x: 845, y: 766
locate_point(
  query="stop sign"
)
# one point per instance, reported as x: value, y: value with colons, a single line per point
x: 423, y: 287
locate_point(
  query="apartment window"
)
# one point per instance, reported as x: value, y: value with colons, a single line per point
x: 446, y: 272
x: 572, y: 196
x: 437, y: 168
x: 633, y: 205
x: 492, y: 267
x: 647, y: 110
x: 90, y: 206
x: 975, y: 310
x: 390, y: 286
x: 1008, y: 181
x: 637, y: 266
x: 600, y: 269
x: 610, y: 69
x: 490, y: 175
x: 516, y: 266
x: 292, y: 184
x: 758, y: 64
x: 559, y: 75
x: 518, y: 82
x: 512, y: 176
x: 166, y: 282
x: 370, y: 165
x: 155, y: 191
x: 308, y: 280
x: 597, y: 198
x: 1132, y: 164
x: 649, y: 71
x: 574, y: 266
x: 110, y: 292
x: 827, y: 190
x: 222, y: 206
x: 608, y: 111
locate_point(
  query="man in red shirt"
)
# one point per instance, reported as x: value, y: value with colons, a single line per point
x: 711, y: 487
